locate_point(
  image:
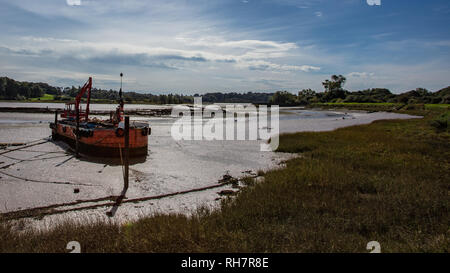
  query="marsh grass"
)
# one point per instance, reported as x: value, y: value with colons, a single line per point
x: 387, y: 181
x: 386, y: 106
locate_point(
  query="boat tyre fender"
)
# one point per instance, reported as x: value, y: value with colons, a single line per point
x: 64, y: 129
x: 120, y: 132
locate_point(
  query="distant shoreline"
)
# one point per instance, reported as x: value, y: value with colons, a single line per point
x: 47, y: 110
x: 66, y: 101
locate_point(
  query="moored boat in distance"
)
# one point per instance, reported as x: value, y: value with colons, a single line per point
x: 96, y: 137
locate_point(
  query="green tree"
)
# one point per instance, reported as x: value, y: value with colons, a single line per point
x: 283, y: 98
x: 306, y: 96
x: 12, y: 89
x: 337, y: 82
x: 36, y: 91
x: 333, y: 88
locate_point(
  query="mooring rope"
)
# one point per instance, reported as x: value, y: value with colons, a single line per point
x: 44, y: 152
x: 121, y: 162
x: 20, y: 160
x: 36, y: 159
x: 23, y: 147
x: 48, y: 182
x: 44, y: 138
x: 50, y: 210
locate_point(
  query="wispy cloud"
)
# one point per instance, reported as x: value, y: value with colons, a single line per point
x: 242, y: 54
x: 73, y: 2
x: 224, y: 45
x: 263, y: 65
x: 360, y: 75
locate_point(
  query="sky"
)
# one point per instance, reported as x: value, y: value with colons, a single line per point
x: 199, y: 46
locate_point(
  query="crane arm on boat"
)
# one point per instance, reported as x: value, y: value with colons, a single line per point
x: 71, y: 113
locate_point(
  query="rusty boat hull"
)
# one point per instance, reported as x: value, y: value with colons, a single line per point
x: 102, y: 140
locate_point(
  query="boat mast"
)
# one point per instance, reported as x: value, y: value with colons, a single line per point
x: 120, y: 100
x: 120, y: 92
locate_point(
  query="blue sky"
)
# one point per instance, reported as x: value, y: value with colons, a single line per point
x: 197, y: 46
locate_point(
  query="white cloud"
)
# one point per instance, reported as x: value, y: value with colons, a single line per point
x: 360, y: 75
x: 146, y: 38
x: 251, y: 54
x: 264, y: 65
x: 401, y: 78
x: 243, y: 44
x: 73, y: 2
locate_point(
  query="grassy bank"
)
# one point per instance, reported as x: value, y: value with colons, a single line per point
x: 44, y: 98
x: 387, y: 181
x: 389, y: 107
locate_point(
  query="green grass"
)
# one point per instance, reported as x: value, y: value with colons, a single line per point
x: 46, y: 97
x: 387, y: 181
x: 361, y: 103
x: 389, y: 107
x: 434, y: 106
x: 385, y: 106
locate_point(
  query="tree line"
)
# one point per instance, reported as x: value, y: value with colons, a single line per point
x: 333, y: 92
x: 15, y: 90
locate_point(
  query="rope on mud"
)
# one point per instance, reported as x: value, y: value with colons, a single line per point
x: 24, y: 160
x: 36, y: 159
x: 25, y: 146
x: 50, y: 210
x: 24, y: 143
x: 39, y: 210
x: 44, y: 138
x: 48, y: 182
x: 21, y: 160
x: 121, y: 162
x: 44, y: 152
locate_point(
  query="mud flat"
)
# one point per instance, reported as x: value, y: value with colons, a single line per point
x: 47, y: 174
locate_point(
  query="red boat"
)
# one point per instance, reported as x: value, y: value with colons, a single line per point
x: 99, y: 138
